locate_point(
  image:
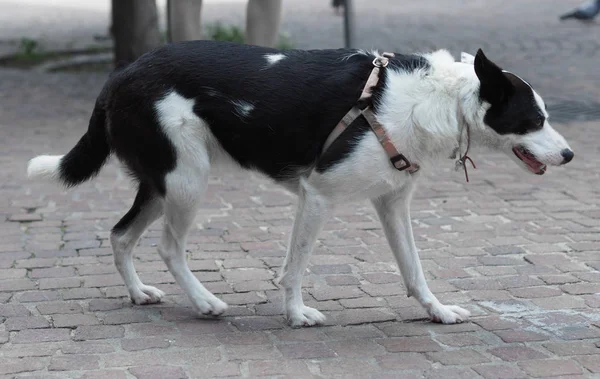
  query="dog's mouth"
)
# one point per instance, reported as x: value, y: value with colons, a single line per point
x: 529, y: 159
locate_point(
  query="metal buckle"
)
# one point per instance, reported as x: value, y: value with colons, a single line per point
x: 381, y: 62
x: 400, y: 158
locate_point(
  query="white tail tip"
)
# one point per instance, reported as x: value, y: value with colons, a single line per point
x: 44, y: 166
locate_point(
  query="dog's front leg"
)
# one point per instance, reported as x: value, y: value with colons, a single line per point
x: 394, y: 212
x: 310, y: 216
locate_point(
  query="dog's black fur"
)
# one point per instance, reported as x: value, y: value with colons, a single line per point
x: 297, y: 102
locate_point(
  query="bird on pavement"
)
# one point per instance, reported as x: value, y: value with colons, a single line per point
x: 586, y: 11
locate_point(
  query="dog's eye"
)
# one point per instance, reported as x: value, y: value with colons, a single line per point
x: 540, y: 121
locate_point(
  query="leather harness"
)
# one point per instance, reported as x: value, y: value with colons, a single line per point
x: 363, y: 108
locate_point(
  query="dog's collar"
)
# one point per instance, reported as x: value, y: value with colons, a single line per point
x: 363, y: 108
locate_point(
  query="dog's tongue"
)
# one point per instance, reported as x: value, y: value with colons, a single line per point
x: 533, y: 164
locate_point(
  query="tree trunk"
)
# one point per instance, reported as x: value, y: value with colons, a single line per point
x: 135, y: 29
x: 183, y: 20
x: 263, y: 19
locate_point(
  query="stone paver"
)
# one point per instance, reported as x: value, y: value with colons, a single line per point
x: 522, y: 253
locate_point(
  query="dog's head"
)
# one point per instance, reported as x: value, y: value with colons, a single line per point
x: 517, y: 121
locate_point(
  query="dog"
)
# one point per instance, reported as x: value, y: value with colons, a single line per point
x: 185, y: 108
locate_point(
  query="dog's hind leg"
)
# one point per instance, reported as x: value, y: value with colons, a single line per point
x: 394, y: 212
x: 146, y: 208
x: 311, y: 215
x: 185, y: 187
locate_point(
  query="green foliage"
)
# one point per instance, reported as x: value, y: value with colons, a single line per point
x: 220, y: 32
x: 233, y: 33
x: 28, y: 46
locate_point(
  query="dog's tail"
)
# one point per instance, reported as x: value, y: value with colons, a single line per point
x: 80, y: 164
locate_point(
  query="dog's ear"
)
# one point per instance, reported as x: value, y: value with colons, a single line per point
x: 467, y: 58
x: 495, y: 86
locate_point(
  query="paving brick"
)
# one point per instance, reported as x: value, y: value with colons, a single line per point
x: 28, y: 322
x: 520, y: 335
x: 363, y: 302
x: 334, y: 293
x: 253, y: 285
x: 590, y: 362
x: 158, y: 372
x: 346, y: 367
x: 53, y: 272
x: 506, y: 249
x: 559, y: 302
x: 144, y: 343
x: 41, y: 335
x: 37, y: 296
x: 125, y: 316
x: 217, y: 370
x: 341, y: 280
x: 55, y: 283
x: 581, y: 288
x: 18, y: 365
x: 458, y: 357
x: 73, y: 362
x: 98, y: 332
x: 451, y: 373
x: 410, y: 344
x: 288, y: 367
x: 12, y: 285
x: 307, y: 350
x: 496, y: 323
x: 87, y: 347
x: 498, y: 371
x: 106, y: 304
x: 459, y: 339
x: 403, y: 361
x: 81, y: 293
x: 59, y: 307
x: 13, y: 273
x: 550, y: 367
x: 363, y: 315
x: 205, y: 326
x: 73, y: 320
x: 104, y: 374
x: 102, y: 280
x: 571, y: 348
x: 358, y: 348
x: 258, y: 323
x: 238, y: 275
x: 516, y: 353
x: 38, y: 349
x: 13, y: 310
x: 252, y: 352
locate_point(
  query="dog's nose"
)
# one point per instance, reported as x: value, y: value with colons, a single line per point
x: 567, y: 155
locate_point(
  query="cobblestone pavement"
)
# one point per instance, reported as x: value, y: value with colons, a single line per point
x: 521, y: 252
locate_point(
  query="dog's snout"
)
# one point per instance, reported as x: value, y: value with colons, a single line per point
x: 567, y: 155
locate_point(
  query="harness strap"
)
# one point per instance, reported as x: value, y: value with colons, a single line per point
x: 345, y: 122
x: 398, y: 160
x: 362, y: 107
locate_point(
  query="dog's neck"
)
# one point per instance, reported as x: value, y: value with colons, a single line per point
x: 427, y: 115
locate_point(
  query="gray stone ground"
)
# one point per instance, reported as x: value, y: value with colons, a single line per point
x: 521, y: 252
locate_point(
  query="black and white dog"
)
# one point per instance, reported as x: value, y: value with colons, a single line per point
x: 186, y: 108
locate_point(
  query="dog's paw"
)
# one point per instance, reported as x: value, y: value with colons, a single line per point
x: 210, y: 306
x: 449, y: 314
x: 147, y: 295
x: 304, y: 316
